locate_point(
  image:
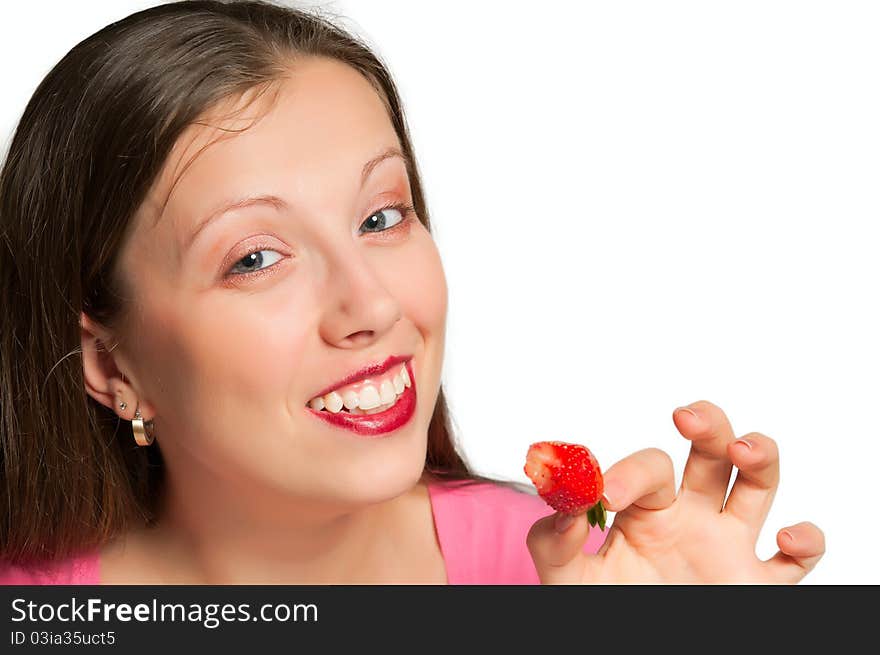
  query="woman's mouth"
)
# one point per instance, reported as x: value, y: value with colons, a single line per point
x: 368, y: 396
x: 372, y: 406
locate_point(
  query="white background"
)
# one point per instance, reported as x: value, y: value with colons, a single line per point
x: 638, y: 205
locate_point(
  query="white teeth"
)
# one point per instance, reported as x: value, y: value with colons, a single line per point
x: 380, y: 408
x: 350, y: 400
x: 369, y: 398
x: 386, y: 392
x: 333, y: 402
x: 399, y: 386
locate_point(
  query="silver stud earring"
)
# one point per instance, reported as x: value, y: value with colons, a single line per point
x: 122, y: 405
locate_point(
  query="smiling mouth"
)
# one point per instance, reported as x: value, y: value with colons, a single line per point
x: 368, y: 396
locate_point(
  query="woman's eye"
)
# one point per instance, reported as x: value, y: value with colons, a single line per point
x: 379, y: 221
x: 255, y: 261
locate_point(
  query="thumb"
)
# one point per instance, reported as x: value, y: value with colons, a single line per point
x: 556, y: 543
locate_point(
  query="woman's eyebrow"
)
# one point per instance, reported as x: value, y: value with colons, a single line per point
x: 278, y: 203
x: 378, y: 159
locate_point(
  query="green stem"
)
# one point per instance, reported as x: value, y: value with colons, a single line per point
x: 596, y: 515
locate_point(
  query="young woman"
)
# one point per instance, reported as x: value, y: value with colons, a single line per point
x: 222, y: 353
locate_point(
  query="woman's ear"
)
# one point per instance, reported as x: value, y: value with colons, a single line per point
x: 104, y: 379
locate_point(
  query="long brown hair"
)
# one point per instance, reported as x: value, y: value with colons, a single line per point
x: 88, y: 147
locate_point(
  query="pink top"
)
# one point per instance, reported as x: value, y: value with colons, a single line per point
x: 481, y: 529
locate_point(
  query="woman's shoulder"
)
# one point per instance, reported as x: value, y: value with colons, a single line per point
x: 79, y: 570
x: 482, y: 529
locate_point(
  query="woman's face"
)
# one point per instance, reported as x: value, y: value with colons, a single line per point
x: 239, y: 322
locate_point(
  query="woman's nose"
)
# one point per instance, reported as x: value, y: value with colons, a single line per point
x: 359, y: 307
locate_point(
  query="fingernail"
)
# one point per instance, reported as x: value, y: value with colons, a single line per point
x: 789, y: 535
x: 743, y: 442
x: 611, y: 492
x: 563, y: 522
x: 686, y: 409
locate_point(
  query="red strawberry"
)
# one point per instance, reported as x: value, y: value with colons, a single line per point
x: 568, y: 477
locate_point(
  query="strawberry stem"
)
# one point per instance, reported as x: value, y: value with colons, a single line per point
x: 596, y: 515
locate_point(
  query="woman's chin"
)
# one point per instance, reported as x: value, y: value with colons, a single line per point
x: 381, y: 483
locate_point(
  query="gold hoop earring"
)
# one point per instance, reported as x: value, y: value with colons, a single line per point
x: 143, y: 430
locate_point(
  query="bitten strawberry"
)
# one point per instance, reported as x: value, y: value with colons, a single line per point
x: 568, y: 478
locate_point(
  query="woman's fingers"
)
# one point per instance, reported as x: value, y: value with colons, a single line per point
x: 645, y: 479
x: 707, y: 471
x: 556, y: 543
x: 757, y: 458
x: 801, y: 546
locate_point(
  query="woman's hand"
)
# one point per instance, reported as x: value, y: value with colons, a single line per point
x: 693, y: 537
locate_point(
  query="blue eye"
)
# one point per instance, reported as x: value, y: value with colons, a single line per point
x: 377, y: 222
x: 255, y: 261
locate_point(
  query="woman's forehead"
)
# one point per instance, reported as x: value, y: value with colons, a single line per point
x: 322, y: 122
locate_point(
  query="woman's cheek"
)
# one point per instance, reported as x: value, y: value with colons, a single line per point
x: 222, y: 352
x: 160, y: 355
x: 423, y: 297
x: 422, y: 291
x: 252, y: 346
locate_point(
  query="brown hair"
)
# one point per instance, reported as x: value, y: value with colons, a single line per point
x: 88, y: 147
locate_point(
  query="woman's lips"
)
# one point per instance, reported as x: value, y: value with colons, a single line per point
x: 371, y: 425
